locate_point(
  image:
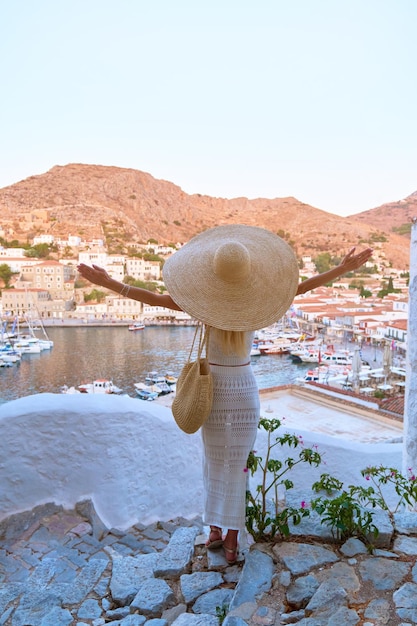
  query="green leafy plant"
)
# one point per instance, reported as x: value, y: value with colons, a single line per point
x: 221, y: 612
x: 95, y: 295
x: 379, y: 393
x: 264, y: 515
x: 348, y: 511
x: 404, y: 486
x: 343, y: 512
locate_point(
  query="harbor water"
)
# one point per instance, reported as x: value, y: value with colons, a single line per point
x: 82, y: 354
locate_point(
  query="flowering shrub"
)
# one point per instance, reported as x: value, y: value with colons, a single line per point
x: 347, y: 511
x: 404, y: 486
x: 261, y: 521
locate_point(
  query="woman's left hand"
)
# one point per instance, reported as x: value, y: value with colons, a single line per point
x: 94, y: 274
x: 352, y: 261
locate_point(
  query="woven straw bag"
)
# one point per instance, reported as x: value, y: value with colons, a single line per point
x: 194, y: 394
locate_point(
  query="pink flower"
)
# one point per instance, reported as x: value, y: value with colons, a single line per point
x: 245, y: 469
x: 367, y: 477
x: 303, y: 504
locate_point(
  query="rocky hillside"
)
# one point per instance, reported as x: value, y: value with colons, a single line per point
x: 393, y: 216
x: 126, y: 205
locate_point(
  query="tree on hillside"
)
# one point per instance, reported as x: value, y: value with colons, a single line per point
x: 149, y: 285
x: 149, y: 256
x: 6, y: 274
x: 39, y: 251
x: 365, y: 293
x: 95, y: 295
x: 69, y: 253
x: 387, y: 288
x: 322, y: 262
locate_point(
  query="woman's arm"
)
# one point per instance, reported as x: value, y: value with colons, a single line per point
x: 99, y: 276
x: 350, y: 263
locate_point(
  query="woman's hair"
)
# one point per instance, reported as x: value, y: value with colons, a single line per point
x: 233, y: 341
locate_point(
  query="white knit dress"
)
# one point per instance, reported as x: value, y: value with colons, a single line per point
x: 229, y: 435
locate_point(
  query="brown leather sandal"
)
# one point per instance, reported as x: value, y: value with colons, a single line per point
x: 231, y: 554
x: 214, y: 544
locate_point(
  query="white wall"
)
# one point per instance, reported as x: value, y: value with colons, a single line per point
x: 126, y: 455
x: 410, y: 411
x: 130, y: 458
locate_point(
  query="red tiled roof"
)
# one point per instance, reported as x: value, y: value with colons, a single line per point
x: 393, y: 405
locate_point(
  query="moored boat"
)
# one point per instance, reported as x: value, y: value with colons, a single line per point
x: 27, y: 345
x: 5, y: 363
x: 280, y: 345
x: 9, y: 354
x: 255, y: 351
x: 136, y: 326
x: 146, y: 394
x: 161, y: 388
x: 153, y: 378
x: 170, y: 378
x: 100, y: 385
x: 325, y: 374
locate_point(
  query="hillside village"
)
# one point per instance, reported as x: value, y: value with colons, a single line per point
x: 49, y: 289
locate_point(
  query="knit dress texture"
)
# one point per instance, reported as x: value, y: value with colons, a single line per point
x: 229, y: 434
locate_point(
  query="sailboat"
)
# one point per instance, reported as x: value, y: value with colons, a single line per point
x: 8, y: 353
x: 28, y: 342
x: 45, y: 343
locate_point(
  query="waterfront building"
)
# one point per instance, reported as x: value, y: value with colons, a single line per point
x: 22, y: 302
x: 55, y: 277
x: 122, y: 308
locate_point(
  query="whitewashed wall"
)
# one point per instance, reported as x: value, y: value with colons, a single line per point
x: 129, y: 458
x: 410, y: 412
x: 124, y: 454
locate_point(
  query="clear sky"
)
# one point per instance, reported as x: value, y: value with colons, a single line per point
x: 315, y: 99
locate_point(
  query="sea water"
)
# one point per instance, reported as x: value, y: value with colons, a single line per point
x: 82, y: 354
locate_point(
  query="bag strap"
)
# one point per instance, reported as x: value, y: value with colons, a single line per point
x: 203, y: 343
x: 203, y: 332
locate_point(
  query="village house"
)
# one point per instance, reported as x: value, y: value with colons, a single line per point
x: 40, y: 239
x: 139, y: 269
x: 123, y: 308
x: 55, y: 277
x: 339, y: 319
x: 337, y: 312
x: 34, y: 304
x: 397, y: 331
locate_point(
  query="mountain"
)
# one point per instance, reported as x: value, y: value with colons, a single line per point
x: 392, y: 216
x: 125, y: 205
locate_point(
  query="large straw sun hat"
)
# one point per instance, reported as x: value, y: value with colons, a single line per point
x: 233, y: 277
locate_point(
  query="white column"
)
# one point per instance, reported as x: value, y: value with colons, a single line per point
x: 410, y: 410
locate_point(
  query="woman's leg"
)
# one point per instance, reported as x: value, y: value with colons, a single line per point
x: 215, y: 539
x: 230, y: 546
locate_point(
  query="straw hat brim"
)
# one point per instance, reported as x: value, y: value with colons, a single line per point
x: 255, y: 294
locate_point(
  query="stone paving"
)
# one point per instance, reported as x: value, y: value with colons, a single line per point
x: 64, y: 567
